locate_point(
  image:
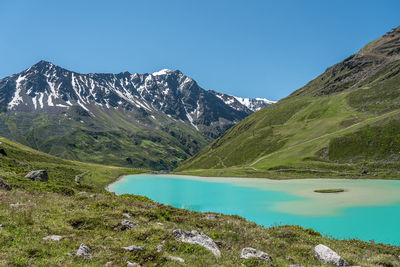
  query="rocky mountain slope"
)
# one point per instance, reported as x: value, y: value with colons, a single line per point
x: 346, y: 122
x: 143, y: 120
x: 69, y: 219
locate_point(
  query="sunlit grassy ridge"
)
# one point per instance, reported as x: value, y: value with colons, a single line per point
x: 56, y: 208
x: 344, y: 123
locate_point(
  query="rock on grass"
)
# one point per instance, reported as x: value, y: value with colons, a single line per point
x: 5, y: 186
x: 84, y: 251
x: 53, y: 237
x: 132, y: 248
x: 176, y: 259
x: 326, y: 255
x: 197, y: 238
x: 248, y: 253
x: 126, y: 224
x: 38, y: 175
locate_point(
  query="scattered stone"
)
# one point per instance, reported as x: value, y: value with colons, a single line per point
x: 84, y: 251
x: 38, y: 175
x: 70, y: 255
x: 53, y: 237
x: 160, y: 224
x: 126, y: 215
x: 176, y: 259
x: 160, y: 248
x: 3, y: 152
x: 5, y: 186
x: 92, y: 195
x: 248, y: 253
x: 1, y: 226
x: 295, y: 265
x: 133, y: 248
x: 83, y: 194
x: 328, y: 256
x: 126, y: 224
x: 108, y: 263
x: 132, y: 264
x: 197, y: 238
x: 211, y: 216
x: 16, y: 204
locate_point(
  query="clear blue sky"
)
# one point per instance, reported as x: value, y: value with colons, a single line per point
x: 246, y: 48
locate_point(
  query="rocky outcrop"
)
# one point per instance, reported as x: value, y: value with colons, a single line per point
x: 326, y: 255
x: 248, y: 253
x: 52, y: 238
x: 38, y: 175
x: 84, y: 251
x: 5, y: 186
x: 126, y: 224
x: 197, y: 238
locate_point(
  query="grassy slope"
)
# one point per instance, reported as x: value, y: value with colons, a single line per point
x: 55, y: 208
x: 113, y: 138
x: 316, y: 132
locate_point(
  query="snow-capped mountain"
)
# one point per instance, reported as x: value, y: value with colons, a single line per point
x: 138, y: 120
x: 45, y: 86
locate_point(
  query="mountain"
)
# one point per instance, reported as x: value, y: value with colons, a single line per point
x: 139, y: 120
x: 345, y: 122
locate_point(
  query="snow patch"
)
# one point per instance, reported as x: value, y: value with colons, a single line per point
x: 162, y: 72
x: 17, y: 98
x: 41, y: 100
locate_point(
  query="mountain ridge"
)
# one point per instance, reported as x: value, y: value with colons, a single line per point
x: 156, y: 120
x: 343, y: 123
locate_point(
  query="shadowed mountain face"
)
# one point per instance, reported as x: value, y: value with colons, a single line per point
x: 347, y: 120
x: 137, y: 120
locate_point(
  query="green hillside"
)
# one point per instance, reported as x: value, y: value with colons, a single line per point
x: 344, y: 123
x: 114, y: 137
x: 32, y: 210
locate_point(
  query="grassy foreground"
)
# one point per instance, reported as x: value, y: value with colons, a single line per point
x: 56, y: 208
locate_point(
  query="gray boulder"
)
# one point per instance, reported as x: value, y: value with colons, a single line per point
x: 5, y: 186
x: 176, y: 259
x: 328, y: 256
x: 197, y: 238
x: 160, y: 248
x: 38, y: 175
x: 126, y: 224
x: 84, y: 251
x: 132, y: 264
x: 53, y: 237
x: 132, y: 248
x: 211, y: 216
x: 248, y: 253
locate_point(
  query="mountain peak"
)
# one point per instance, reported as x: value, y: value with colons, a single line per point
x: 43, y: 63
x: 164, y: 72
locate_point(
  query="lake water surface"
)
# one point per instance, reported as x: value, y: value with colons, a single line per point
x: 367, y: 210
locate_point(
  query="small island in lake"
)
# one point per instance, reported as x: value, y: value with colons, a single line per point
x: 334, y: 190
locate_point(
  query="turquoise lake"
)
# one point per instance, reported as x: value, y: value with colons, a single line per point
x: 367, y: 210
